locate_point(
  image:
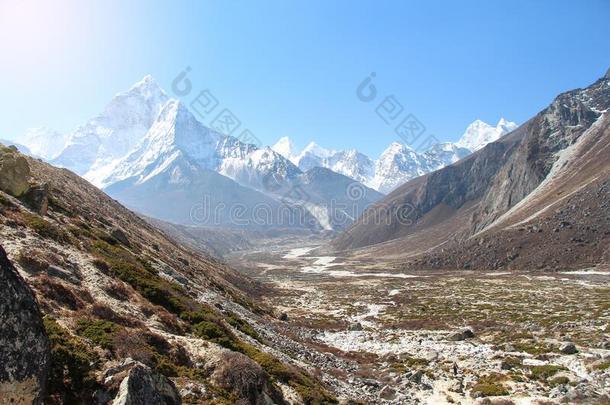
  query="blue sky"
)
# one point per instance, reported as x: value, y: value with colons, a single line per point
x: 292, y: 67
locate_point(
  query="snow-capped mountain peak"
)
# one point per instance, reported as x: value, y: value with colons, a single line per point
x: 312, y: 156
x: 396, y: 165
x: 315, y: 149
x: 116, y: 131
x: 175, y: 132
x: 44, y: 142
x: 479, y: 133
x: 142, y: 132
x: 284, y: 147
x: 506, y: 126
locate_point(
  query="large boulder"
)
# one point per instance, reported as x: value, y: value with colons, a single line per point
x: 118, y: 234
x: 143, y: 386
x: 24, y: 347
x: 14, y: 172
x: 37, y: 198
x: 239, y: 374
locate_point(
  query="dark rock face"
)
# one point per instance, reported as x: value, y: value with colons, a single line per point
x: 37, y: 198
x: 118, y: 234
x: 552, y: 130
x: 24, y: 347
x: 143, y: 386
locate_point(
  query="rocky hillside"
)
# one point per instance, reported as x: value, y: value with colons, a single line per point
x: 130, y: 316
x: 535, y: 198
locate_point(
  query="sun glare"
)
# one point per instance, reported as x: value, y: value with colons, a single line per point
x: 31, y: 31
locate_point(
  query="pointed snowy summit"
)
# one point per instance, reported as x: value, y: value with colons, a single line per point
x: 284, y: 147
x: 479, y: 133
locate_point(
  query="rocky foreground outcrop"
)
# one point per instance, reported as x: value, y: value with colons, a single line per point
x: 24, y: 347
x: 141, y: 385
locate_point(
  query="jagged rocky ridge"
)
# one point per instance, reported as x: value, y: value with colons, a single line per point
x: 399, y: 162
x: 537, y: 197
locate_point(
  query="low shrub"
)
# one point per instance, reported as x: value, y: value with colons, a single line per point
x: 243, y: 326
x: 310, y: 390
x: 488, y: 390
x: 117, y: 290
x: 127, y: 267
x: 72, y: 372
x: 542, y: 373
x: 99, y: 331
x: 409, y: 363
x: 239, y: 374
x: 602, y: 366
x: 215, y: 333
x: 132, y: 344
x: 101, y: 311
x: 56, y: 292
x: 167, y: 319
x: 44, y: 228
x: 559, y: 381
x: 533, y: 348
x: 489, y: 386
x: 33, y: 260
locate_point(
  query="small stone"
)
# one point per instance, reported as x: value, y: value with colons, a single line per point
x: 356, y: 326
x: 568, y: 348
x: 387, y: 393
x: 56, y: 271
x: 283, y: 317
x: 431, y: 356
x: 462, y: 335
x: 416, y: 377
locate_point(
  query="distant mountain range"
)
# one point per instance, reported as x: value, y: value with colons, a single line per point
x: 150, y: 152
x: 399, y: 162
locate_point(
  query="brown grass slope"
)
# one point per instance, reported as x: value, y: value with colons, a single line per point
x: 111, y: 286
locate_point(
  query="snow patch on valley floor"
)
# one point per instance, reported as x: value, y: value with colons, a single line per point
x: 323, y: 264
x: 427, y: 344
x: 372, y: 311
x: 498, y: 273
x: 298, y: 252
x: 586, y: 272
